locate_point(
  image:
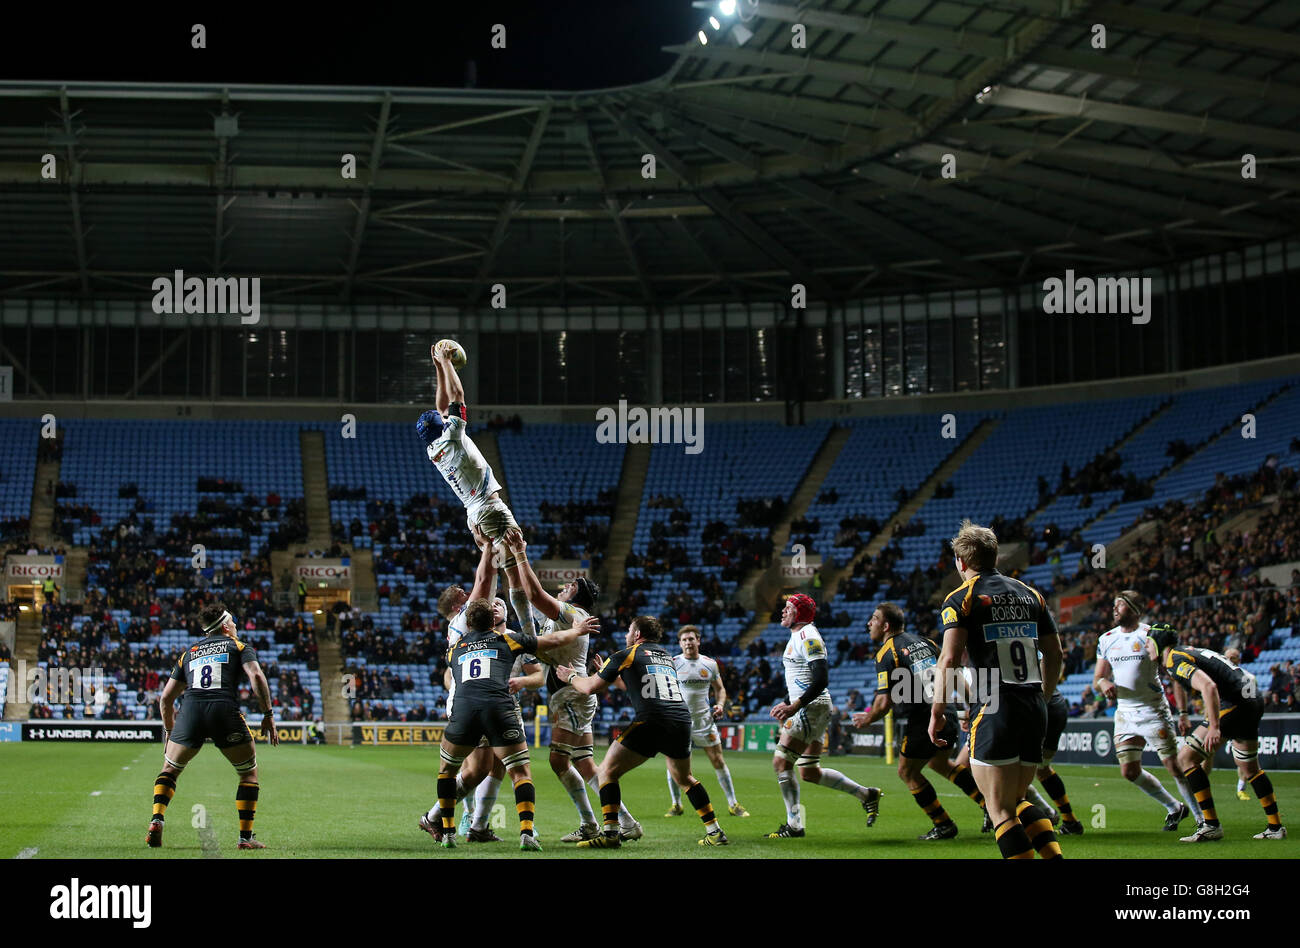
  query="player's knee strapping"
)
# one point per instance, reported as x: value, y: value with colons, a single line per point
x: 1013, y: 841
x: 525, y: 804
x: 1128, y: 755
x: 928, y: 800
x: 561, y: 750
x: 1055, y: 788
x: 808, y: 760
x: 1038, y: 829
x: 164, y: 788
x: 583, y: 752
x: 1263, y: 788
x: 247, y: 766
x: 699, y: 798
x: 450, y: 762
x: 1242, y: 755
x: 173, y: 764
x: 1196, y: 745
x: 515, y: 760
x: 246, y: 804
x: 610, y: 798
x: 787, y: 753
x: 1199, y: 783
x: 965, y: 780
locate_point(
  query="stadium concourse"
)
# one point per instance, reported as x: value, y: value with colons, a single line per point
x: 1191, y: 513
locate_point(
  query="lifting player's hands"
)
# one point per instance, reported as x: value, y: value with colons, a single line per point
x: 1184, y: 725
x: 782, y: 710
x: 268, y: 729
x: 515, y: 685
x: 565, y: 673
x: 588, y: 626
x: 440, y: 354
x: 480, y: 538
x: 936, y: 726
x: 860, y: 718
x: 514, y: 540
x: 716, y: 711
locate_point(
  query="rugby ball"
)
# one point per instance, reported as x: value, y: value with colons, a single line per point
x: 458, y: 356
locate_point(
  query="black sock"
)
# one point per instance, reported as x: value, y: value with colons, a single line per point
x: 164, y: 788
x: 1013, y: 841
x: 699, y: 798
x: 965, y: 781
x: 246, y: 804
x: 447, y: 801
x: 610, y: 797
x: 1199, y: 784
x: 1055, y: 788
x: 928, y: 800
x: 1038, y: 829
x: 1263, y: 788
x: 526, y: 805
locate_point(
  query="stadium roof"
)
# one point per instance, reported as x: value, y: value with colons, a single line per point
x: 773, y: 163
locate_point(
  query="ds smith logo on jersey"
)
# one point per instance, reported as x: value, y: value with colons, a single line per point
x: 75, y: 901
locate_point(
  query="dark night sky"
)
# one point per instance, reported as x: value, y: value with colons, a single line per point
x: 551, y: 44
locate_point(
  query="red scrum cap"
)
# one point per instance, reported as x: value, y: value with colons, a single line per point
x: 804, y: 607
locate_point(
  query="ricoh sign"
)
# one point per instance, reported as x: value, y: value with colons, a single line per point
x: 329, y: 573
x: 33, y: 569
x: 559, y: 572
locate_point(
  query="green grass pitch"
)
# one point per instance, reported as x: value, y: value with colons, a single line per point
x: 93, y: 801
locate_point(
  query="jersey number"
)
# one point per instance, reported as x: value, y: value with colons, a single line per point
x: 1018, y: 660
x: 660, y: 686
x: 208, y: 678
x: 477, y: 668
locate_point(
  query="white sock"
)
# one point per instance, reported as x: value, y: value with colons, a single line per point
x: 674, y: 791
x: 724, y: 781
x: 837, y: 781
x: 1189, y: 798
x: 1036, y: 798
x: 571, y: 780
x: 1150, y: 785
x: 625, y: 819
x: 485, y: 798
x: 1241, y: 785
x: 789, y: 785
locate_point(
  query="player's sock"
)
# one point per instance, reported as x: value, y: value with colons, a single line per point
x: 928, y: 801
x: 164, y: 788
x: 519, y: 599
x: 1189, y: 798
x: 837, y: 781
x: 1055, y: 788
x: 246, y: 803
x: 1036, y: 798
x: 789, y: 785
x: 1263, y: 788
x: 625, y: 819
x: 571, y: 780
x: 965, y: 781
x: 699, y: 798
x: 674, y: 791
x: 525, y: 805
x: 1241, y: 785
x: 724, y: 781
x: 1038, y: 829
x: 1149, y: 784
x: 1013, y: 841
x: 610, y: 803
x: 485, y: 798
x: 1199, y: 783
x: 447, y: 802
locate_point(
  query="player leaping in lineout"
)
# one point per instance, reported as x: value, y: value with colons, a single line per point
x: 462, y: 464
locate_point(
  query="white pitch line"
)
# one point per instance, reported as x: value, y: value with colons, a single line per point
x: 27, y: 853
x: 95, y: 793
x: 126, y: 768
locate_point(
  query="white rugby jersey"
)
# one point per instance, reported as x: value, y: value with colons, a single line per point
x: 1135, y: 673
x: 462, y: 465
x: 575, y: 653
x: 804, y: 646
x: 456, y: 628
x: 696, y: 676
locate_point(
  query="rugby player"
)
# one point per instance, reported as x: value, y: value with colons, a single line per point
x: 1128, y: 667
x: 804, y: 719
x: 461, y: 464
x: 1058, y: 713
x: 572, y: 714
x: 482, y: 771
x: 482, y: 662
x: 1234, y: 656
x: 662, y: 725
x: 706, y: 696
x: 1002, y: 624
x: 209, y: 674
x: 905, y: 682
x: 1233, y: 707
